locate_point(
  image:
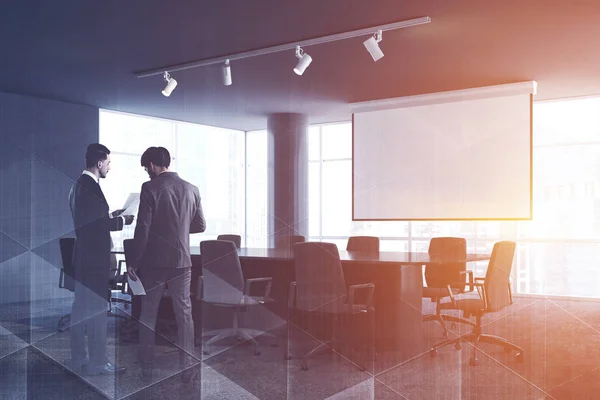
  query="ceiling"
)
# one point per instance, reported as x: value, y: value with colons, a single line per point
x: 87, y: 52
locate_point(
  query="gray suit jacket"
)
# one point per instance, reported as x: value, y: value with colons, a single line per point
x: 169, y: 211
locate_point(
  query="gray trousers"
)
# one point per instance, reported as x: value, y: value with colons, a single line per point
x: 178, y: 281
x: 89, y: 313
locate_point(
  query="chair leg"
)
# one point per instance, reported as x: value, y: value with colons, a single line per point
x: 452, y: 318
x: 323, y: 347
x: 438, y: 318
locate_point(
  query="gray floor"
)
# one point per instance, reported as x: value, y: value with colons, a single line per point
x: 561, y: 341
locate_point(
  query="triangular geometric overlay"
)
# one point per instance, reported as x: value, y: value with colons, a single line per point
x: 10, y: 248
x: 362, y: 391
x: 50, y: 214
x: 15, y: 196
x: 15, y: 292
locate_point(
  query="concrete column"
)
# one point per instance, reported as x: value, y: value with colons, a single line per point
x: 288, y: 175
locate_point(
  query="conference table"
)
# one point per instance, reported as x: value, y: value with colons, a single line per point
x: 397, y: 276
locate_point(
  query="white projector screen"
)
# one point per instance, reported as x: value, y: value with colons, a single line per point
x: 463, y: 155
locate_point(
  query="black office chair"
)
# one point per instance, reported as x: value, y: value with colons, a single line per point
x: 320, y: 289
x: 223, y: 285
x: 237, y: 239
x: 439, y: 276
x: 494, y: 295
x: 65, y: 279
x: 366, y: 244
x: 117, y: 283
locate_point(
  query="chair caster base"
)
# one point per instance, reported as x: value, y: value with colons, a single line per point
x: 304, y: 367
x: 473, y: 362
x: 453, y: 325
x: 457, y: 346
x: 206, y: 352
x: 432, y: 353
x: 287, y: 357
x: 520, y: 358
x: 256, y: 352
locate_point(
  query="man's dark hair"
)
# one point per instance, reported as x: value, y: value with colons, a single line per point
x: 95, y: 152
x: 158, y: 156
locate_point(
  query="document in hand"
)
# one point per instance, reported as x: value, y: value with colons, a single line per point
x: 131, y: 204
x: 136, y: 286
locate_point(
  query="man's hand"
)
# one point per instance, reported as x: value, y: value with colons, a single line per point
x: 128, y: 219
x: 132, y: 274
x: 116, y: 213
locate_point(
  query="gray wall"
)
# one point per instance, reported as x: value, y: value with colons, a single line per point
x: 42, y: 148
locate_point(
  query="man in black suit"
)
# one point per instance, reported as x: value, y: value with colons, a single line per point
x: 169, y: 211
x: 92, y: 260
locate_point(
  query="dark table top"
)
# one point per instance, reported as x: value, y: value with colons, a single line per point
x: 395, y: 257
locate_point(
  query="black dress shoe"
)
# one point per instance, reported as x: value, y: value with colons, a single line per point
x: 105, y: 369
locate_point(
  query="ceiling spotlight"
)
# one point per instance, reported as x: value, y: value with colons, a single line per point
x: 304, y: 61
x: 171, y: 84
x: 226, y: 73
x: 372, y: 45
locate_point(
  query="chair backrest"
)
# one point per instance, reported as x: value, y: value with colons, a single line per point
x: 288, y: 242
x: 237, y: 239
x: 67, y: 248
x: 319, y: 276
x: 440, y: 275
x: 497, y: 277
x: 222, y: 278
x: 367, y: 244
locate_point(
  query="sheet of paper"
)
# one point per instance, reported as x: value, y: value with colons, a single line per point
x: 131, y: 204
x: 136, y: 286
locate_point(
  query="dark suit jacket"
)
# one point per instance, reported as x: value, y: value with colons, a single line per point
x: 92, y: 229
x: 170, y: 210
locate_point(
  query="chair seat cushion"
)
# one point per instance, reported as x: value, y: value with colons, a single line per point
x: 436, y: 293
x: 243, y: 302
x: 469, y: 306
x: 339, y: 308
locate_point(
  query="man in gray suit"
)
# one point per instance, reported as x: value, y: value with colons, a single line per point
x: 169, y: 211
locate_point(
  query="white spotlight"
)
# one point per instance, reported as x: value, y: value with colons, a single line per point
x: 171, y: 84
x: 304, y: 61
x: 226, y: 73
x: 372, y: 45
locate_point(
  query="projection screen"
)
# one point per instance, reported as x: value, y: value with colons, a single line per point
x: 460, y: 155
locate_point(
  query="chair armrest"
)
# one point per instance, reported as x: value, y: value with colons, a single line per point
x: 250, y: 281
x: 124, y: 284
x: 470, y: 278
x: 370, y: 287
x: 292, y: 294
x: 199, y: 286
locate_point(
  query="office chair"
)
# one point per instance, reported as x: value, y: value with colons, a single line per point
x: 237, y: 239
x: 223, y: 285
x: 366, y: 244
x: 439, y: 276
x: 320, y: 288
x: 494, y: 295
x: 288, y: 242
x: 117, y: 282
x: 65, y: 279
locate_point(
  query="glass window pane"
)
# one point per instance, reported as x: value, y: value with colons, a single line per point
x: 314, y: 143
x: 337, y: 198
x: 129, y: 133
x: 393, y: 245
x: 336, y: 141
x: 314, y: 198
x: 213, y: 159
x: 256, y: 189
